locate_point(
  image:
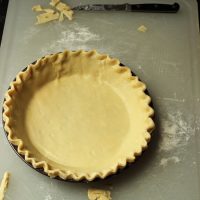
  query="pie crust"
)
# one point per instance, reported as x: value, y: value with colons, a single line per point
x: 78, y: 115
x: 4, y: 185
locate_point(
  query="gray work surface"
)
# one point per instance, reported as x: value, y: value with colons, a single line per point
x: 165, y: 58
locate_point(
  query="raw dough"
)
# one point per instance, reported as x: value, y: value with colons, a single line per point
x: 65, y: 9
x: 80, y: 113
x: 49, y: 10
x: 68, y: 14
x: 54, y: 2
x: 46, y: 17
x: 96, y: 194
x: 4, y: 185
x: 61, y: 18
x: 50, y: 14
x: 37, y: 8
x: 142, y: 28
x: 62, y: 6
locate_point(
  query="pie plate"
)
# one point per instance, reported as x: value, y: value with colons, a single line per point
x: 78, y: 115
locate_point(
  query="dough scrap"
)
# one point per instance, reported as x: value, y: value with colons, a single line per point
x: 37, y: 8
x: 49, y: 10
x: 68, y: 14
x: 4, y: 185
x: 50, y: 14
x: 62, y: 6
x: 97, y: 194
x: 46, y: 17
x: 65, y: 9
x: 142, y: 28
x: 61, y: 18
x: 54, y: 2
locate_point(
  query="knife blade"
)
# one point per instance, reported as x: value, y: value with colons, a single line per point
x: 146, y: 7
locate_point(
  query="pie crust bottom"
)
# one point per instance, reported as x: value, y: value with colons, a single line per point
x: 79, y: 115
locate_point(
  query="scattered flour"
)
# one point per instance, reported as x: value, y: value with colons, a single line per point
x: 41, y: 187
x: 175, y: 132
x: 165, y: 161
x: 48, y: 197
x: 171, y: 99
x: 143, y: 71
x: 75, y: 37
x: 174, y: 98
x: 30, y: 33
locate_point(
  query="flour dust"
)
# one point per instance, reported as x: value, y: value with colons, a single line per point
x: 175, y: 132
x: 75, y: 37
x: 48, y: 197
x: 168, y: 160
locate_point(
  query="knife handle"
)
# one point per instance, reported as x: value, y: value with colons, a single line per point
x: 153, y: 7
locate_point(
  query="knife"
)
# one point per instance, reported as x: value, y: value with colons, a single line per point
x: 146, y: 7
